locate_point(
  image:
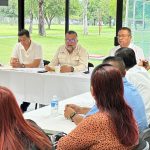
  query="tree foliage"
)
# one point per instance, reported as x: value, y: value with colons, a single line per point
x: 53, y: 8
x: 101, y: 10
x: 11, y: 10
x: 31, y: 5
x: 75, y: 9
x: 98, y: 10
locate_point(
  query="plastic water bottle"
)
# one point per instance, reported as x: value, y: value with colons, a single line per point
x: 54, y: 105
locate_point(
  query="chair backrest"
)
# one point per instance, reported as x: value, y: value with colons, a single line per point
x: 145, y: 135
x: 46, y: 62
x: 143, y: 145
x: 90, y: 65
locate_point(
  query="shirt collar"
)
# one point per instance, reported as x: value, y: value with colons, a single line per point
x: 64, y: 50
x: 29, y: 46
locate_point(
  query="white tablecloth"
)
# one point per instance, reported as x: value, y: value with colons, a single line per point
x: 28, y: 85
x: 45, y: 120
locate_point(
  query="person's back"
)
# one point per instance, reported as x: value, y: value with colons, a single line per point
x: 140, y: 80
x: 133, y: 98
x: 131, y: 94
x: 137, y: 75
x: 96, y: 133
x: 135, y: 101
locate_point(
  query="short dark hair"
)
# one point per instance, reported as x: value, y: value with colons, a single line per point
x: 119, y: 63
x: 128, y: 56
x: 71, y: 32
x: 126, y: 28
x: 24, y: 32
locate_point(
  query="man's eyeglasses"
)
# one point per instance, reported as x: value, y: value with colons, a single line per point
x: 122, y: 36
x: 71, y: 40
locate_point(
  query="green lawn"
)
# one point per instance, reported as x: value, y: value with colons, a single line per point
x: 94, y: 43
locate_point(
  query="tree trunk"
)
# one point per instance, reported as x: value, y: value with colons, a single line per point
x: 41, y: 18
x: 47, y: 21
x: 50, y: 22
x: 110, y: 18
x: 85, y: 24
x: 31, y: 21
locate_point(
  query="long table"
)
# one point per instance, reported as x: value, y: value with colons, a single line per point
x: 28, y: 85
x: 45, y: 120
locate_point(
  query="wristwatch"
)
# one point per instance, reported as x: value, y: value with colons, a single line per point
x: 23, y: 65
x: 72, y: 115
x: 72, y: 69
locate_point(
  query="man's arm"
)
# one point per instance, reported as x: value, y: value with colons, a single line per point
x: 34, y: 64
x: 49, y: 68
x: 83, y: 60
x: 144, y: 63
x: 14, y: 62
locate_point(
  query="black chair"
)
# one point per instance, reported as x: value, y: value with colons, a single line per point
x: 144, y: 141
x: 145, y: 135
x: 143, y: 145
x: 90, y: 65
x: 46, y: 62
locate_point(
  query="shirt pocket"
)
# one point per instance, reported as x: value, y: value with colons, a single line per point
x: 75, y: 60
x: 62, y: 58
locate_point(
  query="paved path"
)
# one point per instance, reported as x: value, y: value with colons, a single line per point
x: 4, y: 37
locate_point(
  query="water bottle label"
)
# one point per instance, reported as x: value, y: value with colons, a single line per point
x: 54, y: 104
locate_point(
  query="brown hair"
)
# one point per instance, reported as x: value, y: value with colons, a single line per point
x: 12, y: 120
x: 107, y: 85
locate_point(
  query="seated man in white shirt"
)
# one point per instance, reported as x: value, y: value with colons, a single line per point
x: 124, y: 40
x: 26, y: 54
x: 71, y: 56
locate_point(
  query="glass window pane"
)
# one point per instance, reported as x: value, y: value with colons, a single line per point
x: 138, y: 18
x: 94, y: 21
x: 54, y: 27
x: 8, y: 30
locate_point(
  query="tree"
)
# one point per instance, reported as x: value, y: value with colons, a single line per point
x: 85, y: 24
x: 101, y: 10
x: 53, y: 8
x: 75, y: 10
x: 41, y: 18
x: 31, y: 12
x: 93, y: 12
x: 112, y: 11
x: 11, y: 10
